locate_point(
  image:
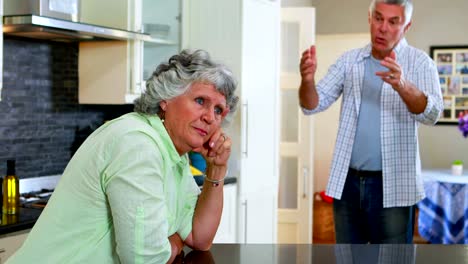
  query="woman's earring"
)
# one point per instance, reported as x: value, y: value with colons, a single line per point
x: 162, y: 112
x: 162, y: 116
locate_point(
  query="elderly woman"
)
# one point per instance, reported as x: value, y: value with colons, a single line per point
x: 127, y: 195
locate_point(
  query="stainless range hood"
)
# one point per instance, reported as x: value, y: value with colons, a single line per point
x: 57, y: 20
x: 40, y: 27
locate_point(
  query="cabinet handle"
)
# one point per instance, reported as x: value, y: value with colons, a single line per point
x: 141, y: 67
x: 305, y: 184
x: 244, y: 203
x: 245, y: 127
x: 136, y: 9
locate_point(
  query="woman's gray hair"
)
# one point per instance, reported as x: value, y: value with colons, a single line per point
x: 173, y: 78
x: 407, y: 4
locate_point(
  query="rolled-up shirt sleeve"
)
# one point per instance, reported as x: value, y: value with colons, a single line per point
x: 428, y: 82
x: 134, y: 186
x: 330, y: 87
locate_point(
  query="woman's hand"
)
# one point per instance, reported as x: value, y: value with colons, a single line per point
x: 176, y: 246
x: 217, y: 150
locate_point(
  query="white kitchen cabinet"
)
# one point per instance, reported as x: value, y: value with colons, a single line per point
x: 161, y: 20
x: 245, y: 36
x: 227, y: 228
x: 11, y: 242
x: 105, y: 73
x: 114, y: 72
x: 108, y: 13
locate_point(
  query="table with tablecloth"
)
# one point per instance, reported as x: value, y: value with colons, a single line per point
x: 443, y: 214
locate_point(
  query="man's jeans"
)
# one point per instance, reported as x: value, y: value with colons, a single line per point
x: 360, y: 216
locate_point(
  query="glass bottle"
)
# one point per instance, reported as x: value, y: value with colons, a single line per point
x: 10, y: 190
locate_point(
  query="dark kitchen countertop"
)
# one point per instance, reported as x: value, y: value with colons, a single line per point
x: 230, y: 180
x: 26, y: 219
x: 329, y: 254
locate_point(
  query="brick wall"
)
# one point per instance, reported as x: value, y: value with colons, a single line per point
x: 41, y: 122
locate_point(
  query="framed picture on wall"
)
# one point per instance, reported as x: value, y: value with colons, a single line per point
x: 452, y: 65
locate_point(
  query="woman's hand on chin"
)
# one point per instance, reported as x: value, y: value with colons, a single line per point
x: 217, y: 149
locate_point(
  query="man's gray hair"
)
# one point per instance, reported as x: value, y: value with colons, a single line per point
x: 173, y: 78
x: 407, y: 4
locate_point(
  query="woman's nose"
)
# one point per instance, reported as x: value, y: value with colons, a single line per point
x: 208, y: 116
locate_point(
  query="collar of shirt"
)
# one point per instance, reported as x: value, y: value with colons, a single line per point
x: 173, y: 155
x: 366, y: 52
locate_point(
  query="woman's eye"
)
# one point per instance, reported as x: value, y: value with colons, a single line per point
x: 218, y: 110
x: 199, y: 100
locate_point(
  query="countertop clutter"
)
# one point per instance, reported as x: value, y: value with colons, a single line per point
x: 31, y: 202
x: 31, y: 205
x: 24, y: 219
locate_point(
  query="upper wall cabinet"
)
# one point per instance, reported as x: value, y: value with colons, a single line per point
x: 114, y: 72
x: 104, y: 73
x: 113, y: 14
x: 161, y: 20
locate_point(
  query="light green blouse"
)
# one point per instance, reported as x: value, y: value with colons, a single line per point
x: 124, y: 192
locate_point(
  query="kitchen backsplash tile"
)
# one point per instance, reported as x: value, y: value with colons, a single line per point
x: 42, y: 123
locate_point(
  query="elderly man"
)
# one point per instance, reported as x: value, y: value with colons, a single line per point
x: 388, y: 88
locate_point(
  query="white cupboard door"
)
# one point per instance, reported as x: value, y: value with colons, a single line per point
x: 227, y: 227
x: 260, y: 90
x: 296, y: 140
x: 162, y: 21
x: 104, y: 72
